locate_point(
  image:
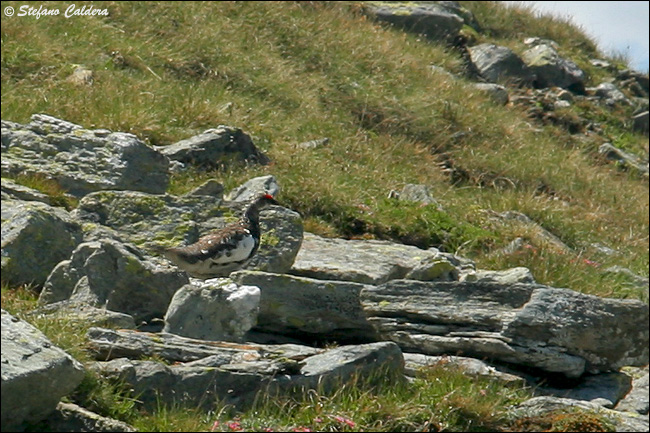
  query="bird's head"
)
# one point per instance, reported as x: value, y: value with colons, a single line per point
x: 259, y: 203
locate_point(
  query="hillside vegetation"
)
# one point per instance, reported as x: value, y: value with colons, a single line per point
x: 290, y: 72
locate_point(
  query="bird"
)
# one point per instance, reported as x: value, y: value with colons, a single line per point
x: 223, y: 251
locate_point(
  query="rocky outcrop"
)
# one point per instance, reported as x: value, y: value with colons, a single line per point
x: 214, y: 309
x: 35, y: 238
x: 373, y: 262
x: 82, y: 160
x: 35, y: 374
x: 114, y: 276
x: 99, y: 264
x: 432, y: 19
x: 500, y: 65
x: 551, y: 70
x: 555, y: 330
x: 206, y: 373
x: 212, y: 148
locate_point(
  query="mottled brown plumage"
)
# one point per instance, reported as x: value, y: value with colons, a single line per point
x: 223, y: 251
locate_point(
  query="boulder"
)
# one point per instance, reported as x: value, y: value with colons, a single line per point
x: 35, y: 238
x: 542, y: 406
x: 253, y: 188
x: 15, y: 191
x: 156, y: 221
x: 214, y: 309
x: 373, y: 261
x: 496, y: 92
x: 70, y: 417
x: 308, y: 309
x: 82, y: 160
x: 554, y: 330
x: 214, y: 148
x: 500, y: 65
x: 429, y: 18
x: 624, y: 159
x: 233, y: 374
x: 35, y: 374
x: 551, y: 70
x: 114, y: 276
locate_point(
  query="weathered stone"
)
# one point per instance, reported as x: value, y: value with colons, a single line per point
x: 500, y: 65
x: 156, y: 221
x: 253, y: 188
x: 428, y: 18
x: 114, y: 276
x: 82, y: 160
x: 35, y: 374
x: 14, y: 191
x: 35, y: 238
x: 415, y: 362
x: 508, y: 276
x: 610, y: 93
x: 214, y: 309
x: 70, y: 417
x: 282, y: 237
x: 87, y: 314
x: 541, y: 406
x: 308, y: 309
x: 418, y: 193
x: 637, y: 400
x: 625, y: 159
x: 372, y: 262
x: 496, y: 92
x: 215, y: 147
x: 235, y: 374
x: 551, y: 70
x: 556, y: 330
x: 211, y: 188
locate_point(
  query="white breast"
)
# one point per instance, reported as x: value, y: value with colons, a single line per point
x: 243, y: 250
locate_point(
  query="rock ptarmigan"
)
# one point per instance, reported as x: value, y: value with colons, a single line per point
x: 226, y: 250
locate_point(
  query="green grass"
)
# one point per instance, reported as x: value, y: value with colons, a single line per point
x: 290, y: 72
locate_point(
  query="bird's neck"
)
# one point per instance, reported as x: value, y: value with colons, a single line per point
x: 252, y: 219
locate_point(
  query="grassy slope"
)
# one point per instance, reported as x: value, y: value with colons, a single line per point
x: 292, y: 72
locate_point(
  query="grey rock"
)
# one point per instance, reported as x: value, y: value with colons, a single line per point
x: 234, y: 374
x: 210, y: 187
x: 214, y: 309
x: 610, y: 93
x: 108, y: 344
x: 551, y: 70
x: 82, y: 160
x: 555, y: 330
x: 86, y: 314
x: 625, y: 159
x: 608, y: 388
x: 539, y: 406
x: 14, y: 191
x: 156, y: 221
x: 70, y: 417
x: 282, y: 237
x: 496, y: 92
x: 415, y: 362
x: 308, y: 309
x: 35, y: 374
x: 214, y: 148
x: 81, y: 76
x: 508, y: 276
x: 114, y: 276
x: 35, y: 238
x: 371, y: 262
x: 500, y: 65
x: 254, y: 188
x: 418, y: 193
x: 314, y: 144
x: 429, y: 18
x: 637, y: 399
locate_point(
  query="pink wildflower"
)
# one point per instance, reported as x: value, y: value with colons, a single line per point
x: 345, y: 420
